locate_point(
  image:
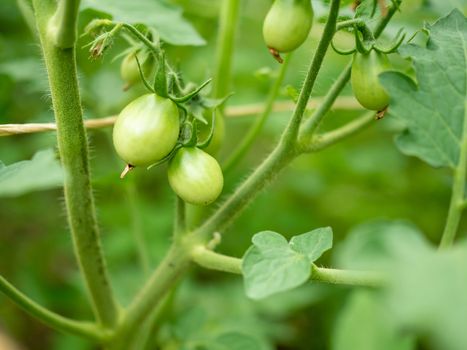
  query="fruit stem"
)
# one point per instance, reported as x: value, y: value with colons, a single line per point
x: 126, y: 170
x: 276, y: 54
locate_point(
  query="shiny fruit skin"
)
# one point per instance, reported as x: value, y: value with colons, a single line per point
x: 195, y: 176
x: 146, y: 130
x: 365, y: 82
x: 287, y: 24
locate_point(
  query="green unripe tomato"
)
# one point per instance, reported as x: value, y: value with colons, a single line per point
x: 287, y: 24
x: 129, y: 69
x: 365, y: 83
x: 195, y: 176
x: 146, y: 130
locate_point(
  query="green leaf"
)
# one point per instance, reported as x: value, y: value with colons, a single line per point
x: 42, y: 172
x: 271, y: 266
x: 434, y: 109
x: 164, y: 17
x: 313, y: 244
x: 364, y: 324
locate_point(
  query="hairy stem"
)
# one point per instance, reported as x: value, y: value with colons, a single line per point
x: 257, y: 126
x: 73, y: 149
x: 80, y: 328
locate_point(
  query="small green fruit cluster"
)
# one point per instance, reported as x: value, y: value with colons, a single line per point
x: 147, y: 131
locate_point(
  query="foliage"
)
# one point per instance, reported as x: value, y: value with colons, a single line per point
x: 384, y: 284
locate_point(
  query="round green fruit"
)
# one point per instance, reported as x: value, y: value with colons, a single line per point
x: 365, y: 82
x: 146, y: 130
x: 195, y: 176
x: 287, y: 24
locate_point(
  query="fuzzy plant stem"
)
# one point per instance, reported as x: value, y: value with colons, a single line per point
x: 73, y: 149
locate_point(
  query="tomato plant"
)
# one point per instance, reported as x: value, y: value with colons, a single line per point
x: 359, y: 246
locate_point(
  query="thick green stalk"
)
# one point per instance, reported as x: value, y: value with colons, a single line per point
x: 218, y: 262
x: 60, y: 323
x: 456, y: 206
x: 225, y: 44
x: 255, y: 129
x: 73, y: 149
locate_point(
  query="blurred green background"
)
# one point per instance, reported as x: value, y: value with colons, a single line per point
x: 361, y: 179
